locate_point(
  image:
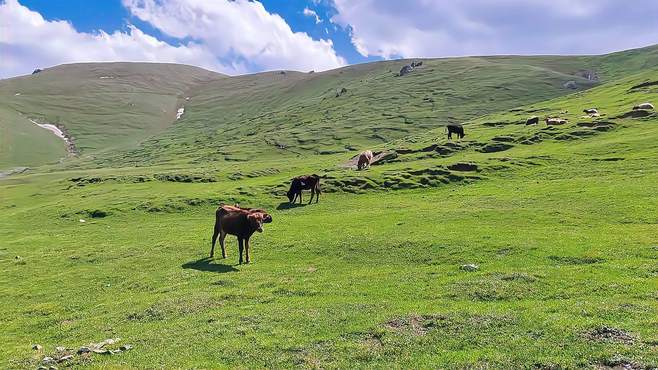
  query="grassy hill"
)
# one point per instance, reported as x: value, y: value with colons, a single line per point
x: 123, y: 113
x: 292, y: 113
x: 104, y: 106
x: 561, y: 222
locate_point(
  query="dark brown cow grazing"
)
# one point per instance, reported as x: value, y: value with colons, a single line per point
x: 365, y: 159
x: 311, y: 182
x: 456, y: 129
x: 241, y: 222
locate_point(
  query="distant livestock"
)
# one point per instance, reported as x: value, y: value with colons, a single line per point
x: 365, y: 160
x: 455, y: 129
x: 644, y: 106
x: 311, y: 182
x: 555, y: 121
x: 591, y: 111
x: 241, y: 222
x: 534, y: 120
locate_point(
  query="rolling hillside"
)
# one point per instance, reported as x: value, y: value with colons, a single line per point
x: 104, y: 106
x: 122, y: 113
x: 515, y: 247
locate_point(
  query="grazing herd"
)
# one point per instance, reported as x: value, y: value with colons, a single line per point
x: 244, y: 222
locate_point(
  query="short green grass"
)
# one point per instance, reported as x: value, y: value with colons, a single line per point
x: 22, y: 143
x: 564, y: 229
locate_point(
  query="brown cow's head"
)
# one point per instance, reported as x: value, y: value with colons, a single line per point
x: 290, y: 195
x: 257, y: 219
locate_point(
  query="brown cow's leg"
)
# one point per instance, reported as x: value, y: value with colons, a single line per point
x: 214, y: 240
x: 241, y: 247
x: 312, y: 195
x: 317, y: 195
x: 246, y: 250
x: 222, y: 236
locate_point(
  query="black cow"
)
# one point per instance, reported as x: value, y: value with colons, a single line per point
x: 456, y: 129
x: 534, y: 120
x: 310, y: 182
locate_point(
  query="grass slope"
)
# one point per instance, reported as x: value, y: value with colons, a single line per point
x: 287, y: 113
x: 22, y: 143
x: 561, y: 221
x: 103, y: 106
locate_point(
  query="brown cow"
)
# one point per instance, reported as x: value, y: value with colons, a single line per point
x: 365, y: 159
x: 241, y: 222
x: 306, y: 182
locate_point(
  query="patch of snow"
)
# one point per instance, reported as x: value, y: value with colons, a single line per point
x: 52, y: 128
x: 17, y: 94
x: 180, y: 112
x: 105, y: 77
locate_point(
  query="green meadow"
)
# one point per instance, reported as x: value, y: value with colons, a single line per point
x: 560, y: 221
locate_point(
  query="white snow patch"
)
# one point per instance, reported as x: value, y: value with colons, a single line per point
x: 52, y: 128
x: 180, y: 112
x: 17, y: 94
x: 105, y: 77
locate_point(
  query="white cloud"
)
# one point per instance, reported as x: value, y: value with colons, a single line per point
x: 238, y: 30
x: 28, y: 41
x: 434, y: 28
x: 311, y: 13
x: 226, y: 36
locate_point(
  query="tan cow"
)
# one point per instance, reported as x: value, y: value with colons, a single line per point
x: 365, y: 159
x: 644, y: 106
x: 555, y: 121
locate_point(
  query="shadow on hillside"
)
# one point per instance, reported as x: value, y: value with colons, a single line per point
x: 206, y: 264
x: 287, y: 205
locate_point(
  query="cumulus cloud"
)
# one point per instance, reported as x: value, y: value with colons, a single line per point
x: 311, y: 13
x: 226, y: 36
x: 238, y: 30
x: 29, y: 41
x: 434, y: 28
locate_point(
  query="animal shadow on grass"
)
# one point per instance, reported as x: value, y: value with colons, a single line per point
x: 288, y: 205
x: 205, y: 264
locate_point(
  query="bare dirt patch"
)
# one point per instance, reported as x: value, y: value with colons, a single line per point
x: 607, y: 333
x: 417, y: 325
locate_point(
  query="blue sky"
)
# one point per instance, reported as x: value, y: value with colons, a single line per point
x: 242, y: 36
